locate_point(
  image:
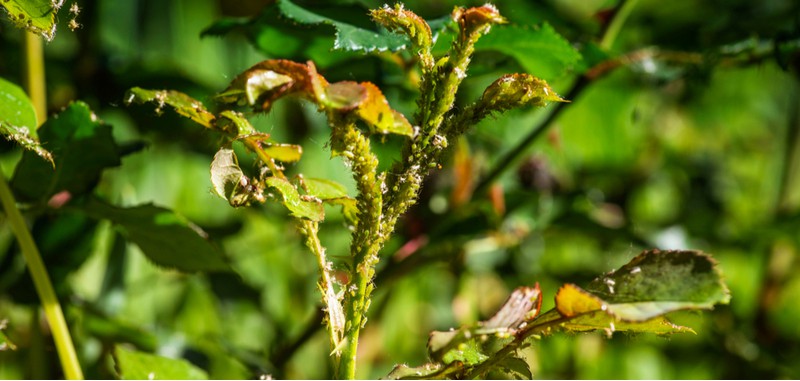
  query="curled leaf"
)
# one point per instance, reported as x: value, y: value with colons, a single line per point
x: 230, y: 182
x: 267, y: 81
x: 235, y: 123
x: 477, y: 20
x: 182, y: 103
x: 516, y: 90
x: 398, y: 19
x: 521, y: 306
x: 300, y: 207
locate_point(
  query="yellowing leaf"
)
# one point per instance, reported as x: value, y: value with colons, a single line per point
x: 571, y: 301
x: 379, y: 117
x: 345, y: 96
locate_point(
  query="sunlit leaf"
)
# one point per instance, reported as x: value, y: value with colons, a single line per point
x: 228, y: 179
x: 656, y: 282
x: 38, y: 16
x: 166, y: 238
x: 182, y: 103
x: 265, y: 82
x: 18, y: 119
x: 468, y: 352
x: 324, y: 189
x: 404, y: 372
x: 381, y: 118
x: 135, y: 365
x: 302, y: 208
x: 521, y: 306
x: 541, y: 51
x: 636, y: 296
x: 348, y: 37
x: 477, y: 19
x: 399, y: 20
x: 241, y: 125
x: 82, y: 147
x: 513, y: 91
x: 287, y: 153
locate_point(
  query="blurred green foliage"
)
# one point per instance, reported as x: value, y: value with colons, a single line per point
x: 689, y: 139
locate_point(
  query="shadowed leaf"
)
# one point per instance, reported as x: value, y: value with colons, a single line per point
x: 135, y: 365
x: 166, y: 238
x: 18, y: 119
x: 82, y: 147
x: 308, y: 209
x: 182, y: 103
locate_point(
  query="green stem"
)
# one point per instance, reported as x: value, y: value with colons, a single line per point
x: 331, y: 303
x: 615, y: 26
x: 41, y: 281
x: 34, y: 72
x: 368, y: 237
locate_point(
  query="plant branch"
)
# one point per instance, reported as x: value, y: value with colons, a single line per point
x: 41, y: 281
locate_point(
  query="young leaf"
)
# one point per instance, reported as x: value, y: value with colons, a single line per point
x: 241, y: 126
x: 516, y: 90
x: 182, y: 103
x: 348, y: 37
x: 287, y: 153
x: 379, y: 117
x: 539, y: 50
x: 18, y: 119
x: 135, y: 365
x: 38, y: 16
x: 399, y: 20
x: 166, y: 238
x: 291, y: 199
x: 82, y: 148
x: 516, y: 367
x: 263, y: 82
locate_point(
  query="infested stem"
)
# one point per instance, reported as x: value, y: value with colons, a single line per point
x: 368, y: 237
x: 330, y: 300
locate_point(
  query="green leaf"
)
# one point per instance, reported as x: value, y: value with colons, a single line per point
x: 299, y: 207
x: 166, y: 238
x: 404, y: 372
x: 5, y: 343
x: 656, y: 282
x: 37, y: 16
x: 516, y: 367
x: 540, y: 50
x: 348, y: 37
x: 82, y: 148
x: 634, y: 297
x: 241, y: 125
x: 469, y: 352
x: 324, y: 189
x: 182, y: 103
x: 18, y: 119
x: 135, y: 365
